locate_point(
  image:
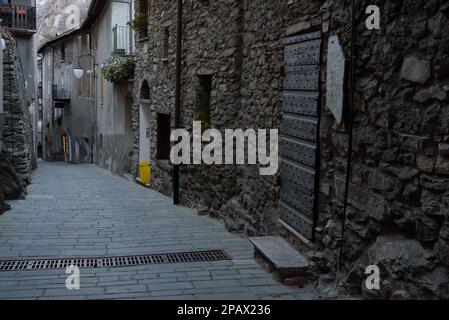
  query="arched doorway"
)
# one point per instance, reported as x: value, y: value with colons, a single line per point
x: 145, y: 91
x: 145, y: 124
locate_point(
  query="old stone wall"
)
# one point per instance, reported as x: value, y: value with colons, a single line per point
x: 397, y: 214
x: 156, y: 72
x: 17, y: 135
x: 16, y: 146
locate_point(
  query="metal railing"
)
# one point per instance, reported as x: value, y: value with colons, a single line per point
x: 123, y: 43
x: 60, y: 93
x: 18, y: 17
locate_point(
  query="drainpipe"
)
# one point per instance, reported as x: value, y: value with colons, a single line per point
x: 95, y: 111
x: 351, y: 131
x: 130, y: 30
x: 176, y: 199
x: 2, y: 119
x: 52, y: 97
x: 41, y: 74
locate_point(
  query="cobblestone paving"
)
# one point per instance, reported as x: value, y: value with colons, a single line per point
x: 76, y: 211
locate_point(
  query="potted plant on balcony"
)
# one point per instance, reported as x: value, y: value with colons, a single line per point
x: 140, y: 23
x: 119, y: 68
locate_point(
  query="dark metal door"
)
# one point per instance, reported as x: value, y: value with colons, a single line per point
x: 299, y: 132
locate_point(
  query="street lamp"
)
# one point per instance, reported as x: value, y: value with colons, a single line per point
x: 78, y: 72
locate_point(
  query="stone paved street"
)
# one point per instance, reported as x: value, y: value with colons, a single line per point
x: 74, y: 211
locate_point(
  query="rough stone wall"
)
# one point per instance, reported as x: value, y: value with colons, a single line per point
x: 17, y: 135
x: 159, y: 74
x: 15, y: 153
x: 204, y: 23
x: 397, y: 215
x: 215, y: 28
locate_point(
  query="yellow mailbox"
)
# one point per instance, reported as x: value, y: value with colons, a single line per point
x: 145, y: 172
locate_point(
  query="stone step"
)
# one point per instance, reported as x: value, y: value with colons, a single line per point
x: 280, y: 257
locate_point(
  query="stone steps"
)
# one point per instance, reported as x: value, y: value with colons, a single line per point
x: 282, y: 259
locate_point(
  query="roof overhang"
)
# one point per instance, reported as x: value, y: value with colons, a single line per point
x: 62, y: 37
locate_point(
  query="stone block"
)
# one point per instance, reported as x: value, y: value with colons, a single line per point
x: 443, y: 149
x: 415, y: 70
x: 442, y: 166
x: 379, y: 181
x: 425, y: 164
x: 426, y: 229
x: 434, y: 92
x: 434, y: 183
x: 280, y: 254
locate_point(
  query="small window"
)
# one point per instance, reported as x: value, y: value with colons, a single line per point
x: 91, y: 89
x: 101, y: 87
x: 79, y: 86
x: 59, y: 105
x: 145, y: 91
x: 204, y: 91
x: 163, y: 136
x: 91, y: 45
x: 63, y: 52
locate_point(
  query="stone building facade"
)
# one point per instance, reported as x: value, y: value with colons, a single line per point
x: 19, y: 18
x: 394, y: 212
x: 16, y: 154
x: 67, y: 103
x: 17, y: 129
x: 107, y: 25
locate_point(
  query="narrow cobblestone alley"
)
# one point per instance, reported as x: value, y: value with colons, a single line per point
x: 84, y: 211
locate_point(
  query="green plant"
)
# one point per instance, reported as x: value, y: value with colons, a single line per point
x: 140, y: 22
x: 119, y: 68
x: 205, y: 120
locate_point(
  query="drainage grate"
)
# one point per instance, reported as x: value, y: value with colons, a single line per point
x: 113, y: 262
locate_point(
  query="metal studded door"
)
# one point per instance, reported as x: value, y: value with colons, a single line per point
x: 299, y: 131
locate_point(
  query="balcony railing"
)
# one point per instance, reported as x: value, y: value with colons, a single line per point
x: 18, y: 18
x: 60, y: 94
x: 123, y: 41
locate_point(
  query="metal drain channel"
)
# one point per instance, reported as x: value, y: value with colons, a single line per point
x: 113, y: 262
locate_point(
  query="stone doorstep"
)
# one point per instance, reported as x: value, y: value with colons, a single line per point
x: 142, y: 184
x: 280, y: 258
